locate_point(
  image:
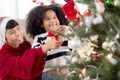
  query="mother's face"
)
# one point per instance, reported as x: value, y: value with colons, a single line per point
x: 14, y: 36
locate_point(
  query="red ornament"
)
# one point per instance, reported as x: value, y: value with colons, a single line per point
x: 50, y: 34
x: 95, y: 56
x: 41, y: 3
x: 52, y: 1
x: 34, y: 1
x: 70, y: 11
x: 87, y: 13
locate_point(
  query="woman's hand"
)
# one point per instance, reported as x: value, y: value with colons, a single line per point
x: 52, y: 44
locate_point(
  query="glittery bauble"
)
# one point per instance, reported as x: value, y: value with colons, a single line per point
x: 74, y: 43
x: 114, y: 48
x: 110, y: 3
x: 100, y: 6
x: 74, y: 76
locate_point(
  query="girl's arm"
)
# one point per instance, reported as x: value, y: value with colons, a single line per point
x: 39, y: 40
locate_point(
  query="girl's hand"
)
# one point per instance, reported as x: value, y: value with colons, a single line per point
x: 61, y: 29
x: 52, y: 44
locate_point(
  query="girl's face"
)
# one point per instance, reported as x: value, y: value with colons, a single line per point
x: 14, y: 36
x: 50, y: 21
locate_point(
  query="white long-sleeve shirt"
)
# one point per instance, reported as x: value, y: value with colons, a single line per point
x: 54, y: 57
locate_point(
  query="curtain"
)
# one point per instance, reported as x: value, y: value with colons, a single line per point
x: 15, y: 8
x: 8, y: 8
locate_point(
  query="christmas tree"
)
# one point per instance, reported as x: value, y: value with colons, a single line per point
x: 96, y: 39
x: 94, y: 33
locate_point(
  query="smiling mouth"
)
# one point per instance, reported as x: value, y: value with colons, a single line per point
x: 53, y: 25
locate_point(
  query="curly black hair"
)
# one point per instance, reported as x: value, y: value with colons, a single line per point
x: 35, y: 19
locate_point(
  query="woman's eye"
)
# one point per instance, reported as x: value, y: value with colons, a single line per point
x: 12, y: 32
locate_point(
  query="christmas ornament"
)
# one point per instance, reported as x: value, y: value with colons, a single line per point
x: 109, y: 45
x: 66, y: 0
x: 99, y: 6
x: 52, y: 1
x: 113, y: 47
x: 109, y: 3
x: 74, y: 76
x: 41, y: 3
x: 117, y: 2
x: 34, y: 1
x: 71, y: 11
x: 38, y: 2
x: 98, y: 19
x: 111, y: 59
x: 87, y: 13
x: 94, y: 37
x: 74, y: 59
x: 74, y: 43
x: 85, y: 50
x: 95, y: 56
x: 88, y: 18
x: 105, y: 45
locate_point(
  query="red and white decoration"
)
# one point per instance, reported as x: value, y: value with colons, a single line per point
x: 71, y: 11
x: 43, y: 2
x: 88, y: 18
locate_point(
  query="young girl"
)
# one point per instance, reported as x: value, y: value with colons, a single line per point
x: 17, y: 60
x: 40, y: 21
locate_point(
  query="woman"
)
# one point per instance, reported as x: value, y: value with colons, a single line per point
x: 17, y: 60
